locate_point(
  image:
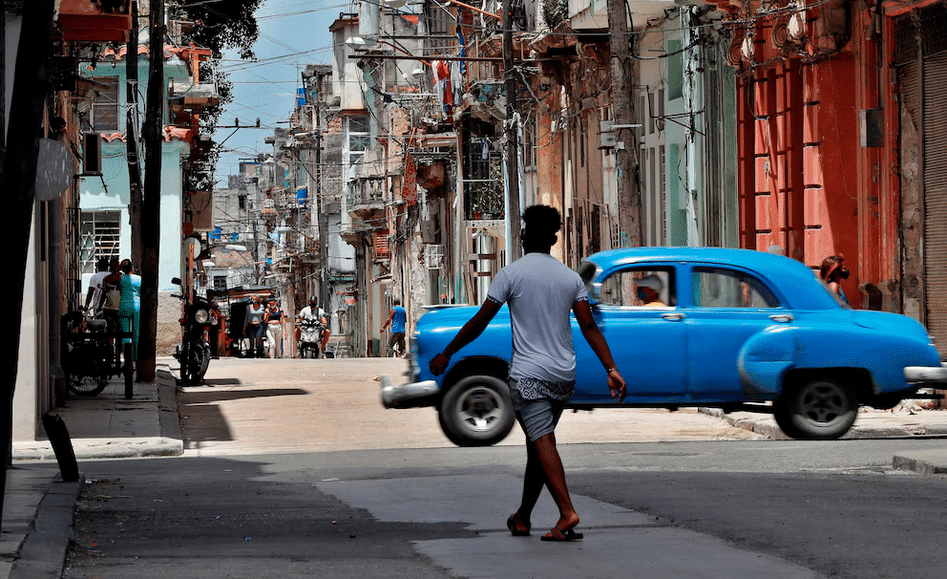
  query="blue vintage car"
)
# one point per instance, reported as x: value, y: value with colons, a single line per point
x: 728, y: 328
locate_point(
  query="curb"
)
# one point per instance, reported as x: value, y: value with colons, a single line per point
x: 922, y: 462
x: 759, y: 427
x: 43, y: 551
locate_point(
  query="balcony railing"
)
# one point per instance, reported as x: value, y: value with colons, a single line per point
x: 90, y: 21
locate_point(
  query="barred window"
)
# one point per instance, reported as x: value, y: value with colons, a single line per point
x: 99, y: 236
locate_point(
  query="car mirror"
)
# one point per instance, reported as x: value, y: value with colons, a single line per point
x: 595, y: 292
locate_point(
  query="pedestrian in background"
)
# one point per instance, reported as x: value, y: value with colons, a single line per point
x: 93, y: 298
x: 833, y: 271
x: 129, y: 306
x: 541, y: 291
x: 273, y: 318
x: 253, y: 327
x: 397, y: 319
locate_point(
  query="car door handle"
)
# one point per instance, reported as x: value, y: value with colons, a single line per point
x: 782, y: 318
x: 673, y: 316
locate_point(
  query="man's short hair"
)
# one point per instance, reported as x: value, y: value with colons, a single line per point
x: 396, y: 302
x: 542, y: 222
x: 102, y: 264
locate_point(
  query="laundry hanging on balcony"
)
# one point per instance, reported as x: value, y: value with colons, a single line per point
x: 409, y: 192
x: 442, y: 80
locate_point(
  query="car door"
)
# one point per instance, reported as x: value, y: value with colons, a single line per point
x: 726, y: 306
x: 647, y: 342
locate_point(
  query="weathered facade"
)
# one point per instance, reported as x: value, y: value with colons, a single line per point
x: 53, y: 283
x: 838, y: 123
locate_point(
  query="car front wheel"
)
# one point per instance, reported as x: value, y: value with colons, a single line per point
x: 818, y: 409
x: 477, y: 411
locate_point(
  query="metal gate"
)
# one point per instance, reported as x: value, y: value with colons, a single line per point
x: 921, y: 55
x: 935, y: 196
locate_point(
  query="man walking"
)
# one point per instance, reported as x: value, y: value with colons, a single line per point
x: 397, y: 319
x: 541, y: 291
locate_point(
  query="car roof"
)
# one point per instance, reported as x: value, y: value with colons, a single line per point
x: 787, y: 275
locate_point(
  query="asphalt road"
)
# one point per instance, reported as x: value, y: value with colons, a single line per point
x: 311, y: 478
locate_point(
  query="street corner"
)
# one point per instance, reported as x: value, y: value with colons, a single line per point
x: 927, y: 462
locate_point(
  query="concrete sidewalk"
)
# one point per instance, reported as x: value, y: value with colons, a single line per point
x: 899, y: 423
x: 38, y: 506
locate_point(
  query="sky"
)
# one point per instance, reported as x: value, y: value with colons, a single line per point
x: 293, y: 34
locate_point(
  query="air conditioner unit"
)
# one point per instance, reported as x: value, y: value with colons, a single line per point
x: 607, y: 134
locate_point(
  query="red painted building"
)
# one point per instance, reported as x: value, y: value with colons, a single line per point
x: 841, y: 114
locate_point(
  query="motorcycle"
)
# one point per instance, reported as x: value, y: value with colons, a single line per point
x: 91, y: 354
x: 194, y: 351
x: 310, y: 338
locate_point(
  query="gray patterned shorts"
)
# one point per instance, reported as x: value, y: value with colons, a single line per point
x: 538, y: 417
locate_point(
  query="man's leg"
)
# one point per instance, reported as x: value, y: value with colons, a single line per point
x: 555, y: 475
x: 533, y: 480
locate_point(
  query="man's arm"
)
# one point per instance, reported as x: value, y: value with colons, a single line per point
x: 465, y: 335
x: 593, y: 335
x: 391, y: 316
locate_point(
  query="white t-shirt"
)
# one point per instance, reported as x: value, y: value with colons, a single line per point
x: 95, y: 284
x: 540, y: 291
x: 306, y: 313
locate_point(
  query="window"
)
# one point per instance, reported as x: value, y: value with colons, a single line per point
x: 99, y: 235
x: 103, y: 116
x: 220, y: 283
x: 722, y: 288
x: 529, y: 144
x: 675, y: 69
x: 621, y: 288
x: 359, y: 138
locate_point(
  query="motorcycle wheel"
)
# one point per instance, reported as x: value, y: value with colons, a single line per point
x: 195, y: 366
x: 89, y: 380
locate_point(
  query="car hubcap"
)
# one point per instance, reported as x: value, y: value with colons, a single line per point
x: 480, y: 409
x: 823, y: 402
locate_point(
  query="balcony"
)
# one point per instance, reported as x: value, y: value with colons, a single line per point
x: 366, y: 199
x: 593, y: 14
x: 84, y: 21
x: 191, y: 97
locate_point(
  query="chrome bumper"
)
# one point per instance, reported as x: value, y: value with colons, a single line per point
x: 409, y: 395
x: 926, y: 374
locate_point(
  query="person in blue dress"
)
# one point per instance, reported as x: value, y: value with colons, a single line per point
x: 129, y: 306
x: 396, y: 319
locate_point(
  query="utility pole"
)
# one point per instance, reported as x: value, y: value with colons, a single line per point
x: 17, y: 192
x: 151, y: 200
x: 320, y: 199
x: 626, y: 146
x: 132, y: 128
x: 510, y: 128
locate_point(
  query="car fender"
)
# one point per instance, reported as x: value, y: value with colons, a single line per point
x: 883, y: 355
x: 765, y: 358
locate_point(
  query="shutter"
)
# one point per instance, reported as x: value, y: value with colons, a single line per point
x: 935, y: 196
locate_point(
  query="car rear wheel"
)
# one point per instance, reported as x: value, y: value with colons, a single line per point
x: 477, y: 411
x: 818, y: 409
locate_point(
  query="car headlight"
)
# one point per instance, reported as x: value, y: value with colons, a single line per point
x: 200, y: 316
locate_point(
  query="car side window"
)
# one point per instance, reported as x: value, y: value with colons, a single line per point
x: 724, y: 288
x: 639, y: 288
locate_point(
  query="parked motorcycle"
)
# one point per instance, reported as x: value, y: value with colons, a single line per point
x: 194, y: 353
x: 310, y: 338
x: 91, y: 354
